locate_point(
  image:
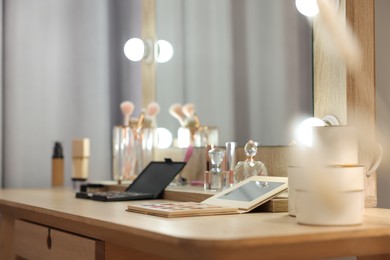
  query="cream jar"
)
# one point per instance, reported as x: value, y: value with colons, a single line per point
x: 331, y: 195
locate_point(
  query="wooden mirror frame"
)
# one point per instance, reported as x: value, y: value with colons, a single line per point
x: 351, y: 98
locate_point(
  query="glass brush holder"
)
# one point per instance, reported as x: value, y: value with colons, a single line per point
x: 123, y: 153
x: 249, y: 167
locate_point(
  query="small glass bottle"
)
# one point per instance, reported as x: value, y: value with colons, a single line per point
x: 249, y: 167
x: 230, y: 162
x: 214, y: 179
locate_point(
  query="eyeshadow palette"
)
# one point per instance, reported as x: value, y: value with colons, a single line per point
x: 241, y: 198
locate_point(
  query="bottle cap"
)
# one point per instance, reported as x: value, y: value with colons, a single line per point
x: 80, y: 148
x: 57, y: 151
x: 216, y: 156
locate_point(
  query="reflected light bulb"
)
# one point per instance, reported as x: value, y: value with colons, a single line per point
x: 304, y: 131
x: 164, y: 138
x: 134, y: 49
x: 164, y: 51
x: 307, y: 7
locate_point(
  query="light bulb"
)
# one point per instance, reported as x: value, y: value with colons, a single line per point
x: 164, y: 138
x: 164, y: 51
x: 307, y: 7
x: 304, y: 131
x: 134, y: 49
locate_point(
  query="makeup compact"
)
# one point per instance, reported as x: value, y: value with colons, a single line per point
x: 149, y: 184
x: 241, y: 198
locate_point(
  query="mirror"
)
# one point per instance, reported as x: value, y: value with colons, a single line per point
x: 246, y: 65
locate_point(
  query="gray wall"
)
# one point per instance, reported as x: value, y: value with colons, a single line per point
x: 64, y: 76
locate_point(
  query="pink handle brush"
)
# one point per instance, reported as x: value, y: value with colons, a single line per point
x: 127, y: 109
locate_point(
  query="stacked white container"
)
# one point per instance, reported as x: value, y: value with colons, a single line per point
x: 326, y: 183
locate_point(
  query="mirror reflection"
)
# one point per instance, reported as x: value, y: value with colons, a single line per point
x: 245, y: 65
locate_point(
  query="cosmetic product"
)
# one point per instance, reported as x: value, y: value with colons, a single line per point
x: 213, y: 179
x: 230, y: 163
x: 80, y: 161
x: 329, y: 195
x: 249, y: 167
x: 208, y: 148
x: 57, y: 172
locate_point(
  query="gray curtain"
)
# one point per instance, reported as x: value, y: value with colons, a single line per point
x: 64, y: 76
x: 246, y: 65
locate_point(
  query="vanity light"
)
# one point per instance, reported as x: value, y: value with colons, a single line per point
x: 164, y: 138
x: 310, y: 8
x: 164, y: 51
x: 136, y: 49
x: 304, y: 132
x: 307, y: 7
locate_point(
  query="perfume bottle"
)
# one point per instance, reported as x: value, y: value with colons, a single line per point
x: 214, y: 178
x: 249, y: 167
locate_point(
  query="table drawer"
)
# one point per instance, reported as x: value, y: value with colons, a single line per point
x: 33, y: 241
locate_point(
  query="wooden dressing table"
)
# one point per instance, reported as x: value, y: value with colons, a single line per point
x: 52, y: 223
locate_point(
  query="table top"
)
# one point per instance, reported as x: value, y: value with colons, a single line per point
x: 252, y: 233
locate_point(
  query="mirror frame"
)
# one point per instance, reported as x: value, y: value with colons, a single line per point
x: 349, y: 97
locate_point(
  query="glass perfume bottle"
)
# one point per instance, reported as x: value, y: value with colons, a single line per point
x: 214, y: 179
x: 249, y: 167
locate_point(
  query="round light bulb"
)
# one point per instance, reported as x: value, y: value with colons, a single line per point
x: 304, y: 131
x: 134, y: 49
x: 164, y: 51
x: 307, y: 7
x: 164, y: 138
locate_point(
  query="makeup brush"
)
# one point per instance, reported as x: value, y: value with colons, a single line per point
x: 127, y: 109
x: 191, y: 120
x: 152, y: 109
x: 150, y: 114
x: 188, y: 110
x: 176, y: 111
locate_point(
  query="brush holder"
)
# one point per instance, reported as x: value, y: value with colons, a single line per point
x: 124, y: 154
x: 206, y: 135
x: 184, y: 137
x: 148, y: 141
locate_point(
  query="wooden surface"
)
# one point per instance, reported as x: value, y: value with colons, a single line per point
x: 31, y: 242
x: 245, y: 236
x: 148, y: 31
x: 349, y: 96
x: 361, y: 86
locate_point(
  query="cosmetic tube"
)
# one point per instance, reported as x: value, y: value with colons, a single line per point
x: 230, y: 162
x: 80, y: 161
x: 57, y: 169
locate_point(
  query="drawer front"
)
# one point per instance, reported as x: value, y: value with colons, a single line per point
x: 33, y: 241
